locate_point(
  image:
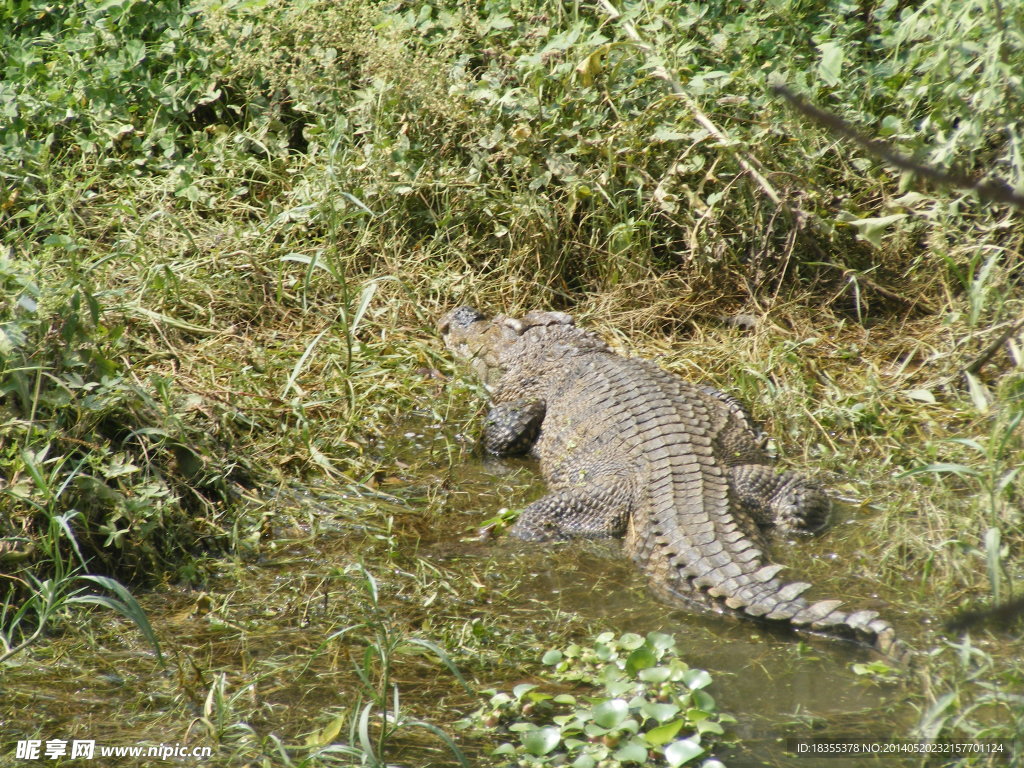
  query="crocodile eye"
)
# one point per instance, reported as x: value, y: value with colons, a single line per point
x: 460, y: 317
x: 464, y: 316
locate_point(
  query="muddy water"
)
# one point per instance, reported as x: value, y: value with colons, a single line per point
x: 776, y: 683
x: 257, y: 631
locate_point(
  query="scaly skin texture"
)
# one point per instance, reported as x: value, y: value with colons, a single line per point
x: 628, y: 450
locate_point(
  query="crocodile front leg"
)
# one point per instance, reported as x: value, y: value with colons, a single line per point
x: 596, y: 509
x: 512, y: 428
x: 787, y: 501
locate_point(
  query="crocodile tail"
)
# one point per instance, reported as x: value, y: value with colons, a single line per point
x: 765, y: 597
x: 863, y: 626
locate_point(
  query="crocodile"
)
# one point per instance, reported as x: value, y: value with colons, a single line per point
x: 679, y: 471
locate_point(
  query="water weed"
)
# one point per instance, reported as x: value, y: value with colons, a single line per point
x: 633, y: 702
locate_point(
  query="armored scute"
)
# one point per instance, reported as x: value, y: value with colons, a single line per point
x: 679, y: 470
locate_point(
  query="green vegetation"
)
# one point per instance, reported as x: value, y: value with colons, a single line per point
x: 653, y: 710
x: 226, y: 229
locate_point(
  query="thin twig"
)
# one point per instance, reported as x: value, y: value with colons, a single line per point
x: 975, y: 365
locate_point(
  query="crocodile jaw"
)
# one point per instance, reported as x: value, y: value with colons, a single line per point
x: 477, y: 340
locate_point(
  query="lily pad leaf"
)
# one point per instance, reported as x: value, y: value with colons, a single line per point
x: 642, y: 658
x: 631, y: 753
x: 522, y: 689
x: 541, y: 741
x: 663, y: 734
x: 655, y: 674
x: 682, y: 752
x: 695, y: 679
x: 552, y: 657
x: 660, y: 712
x: 609, y: 714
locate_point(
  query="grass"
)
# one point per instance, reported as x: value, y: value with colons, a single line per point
x: 225, y: 239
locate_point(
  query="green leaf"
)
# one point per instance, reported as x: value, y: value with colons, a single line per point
x: 630, y: 724
x: 980, y: 395
x: 703, y: 700
x: 709, y: 726
x: 541, y: 741
x: 642, y: 658
x: 328, y: 733
x: 658, y: 711
x: 552, y: 657
x: 874, y: 229
x: 923, y: 395
x: 661, y: 641
x: 877, y: 669
x: 127, y: 606
x: 584, y: 761
x: 994, y: 562
x: 664, y: 133
x: 932, y: 721
x: 682, y: 752
x: 498, y: 21
x: 633, y: 752
x: 310, y: 261
x: 663, y: 734
x: 609, y: 714
x: 592, y: 65
x: 444, y: 737
x: 891, y: 125
x: 442, y: 656
x: 523, y: 688
x: 655, y: 674
x: 618, y: 687
x: 630, y: 641
x: 942, y: 468
x: 830, y: 67
x: 695, y: 679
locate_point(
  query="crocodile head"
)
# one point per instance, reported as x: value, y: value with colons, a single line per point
x: 488, y: 344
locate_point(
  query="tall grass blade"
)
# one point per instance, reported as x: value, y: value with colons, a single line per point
x: 63, y: 522
x: 443, y: 656
x: 448, y: 742
x: 364, y: 735
x: 935, y: 717
x: 994, y: 562
x: 126, y: 605
x: 297, y: 368
x: 365, y: 297
x: 942, y: 468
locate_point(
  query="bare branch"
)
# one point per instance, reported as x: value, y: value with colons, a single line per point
x: 992, y: 191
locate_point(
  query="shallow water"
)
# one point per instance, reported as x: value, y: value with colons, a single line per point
x: 778, y: 684
x: 258, y: 626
